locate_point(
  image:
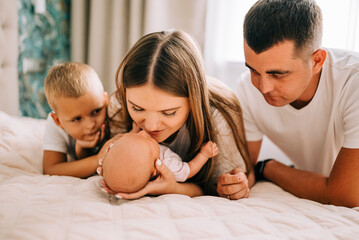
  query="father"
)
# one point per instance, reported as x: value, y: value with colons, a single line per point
x: 305, y: 99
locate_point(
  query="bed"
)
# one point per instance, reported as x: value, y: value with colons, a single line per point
x: 37, y: 206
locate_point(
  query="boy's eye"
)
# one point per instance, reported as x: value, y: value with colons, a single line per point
x: 77, y: 119
x: 96, y: 111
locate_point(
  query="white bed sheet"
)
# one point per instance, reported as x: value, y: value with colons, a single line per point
x: 36, y: 206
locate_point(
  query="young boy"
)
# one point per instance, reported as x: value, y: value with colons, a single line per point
x: 76, y: 126
x: 129, y: 162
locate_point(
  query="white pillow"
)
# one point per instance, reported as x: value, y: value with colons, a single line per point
x: 20, y: 145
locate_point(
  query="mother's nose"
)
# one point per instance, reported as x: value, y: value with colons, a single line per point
x: 151, y: 123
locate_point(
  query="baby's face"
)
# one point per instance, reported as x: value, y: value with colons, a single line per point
x: 82, y: 117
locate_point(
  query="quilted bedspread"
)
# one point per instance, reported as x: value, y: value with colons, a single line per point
x: 36, y: 206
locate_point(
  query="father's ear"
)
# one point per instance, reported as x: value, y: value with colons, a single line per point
x: 56, y: 119
x: 319, y: 57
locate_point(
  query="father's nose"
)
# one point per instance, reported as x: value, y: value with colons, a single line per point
x: 265, y: 85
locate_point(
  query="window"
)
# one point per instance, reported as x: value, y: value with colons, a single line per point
x: 225, y: 20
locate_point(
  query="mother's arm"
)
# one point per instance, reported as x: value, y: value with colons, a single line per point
x: 165, y: 183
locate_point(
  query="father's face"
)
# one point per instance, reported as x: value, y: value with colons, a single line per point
x: 280, y: 75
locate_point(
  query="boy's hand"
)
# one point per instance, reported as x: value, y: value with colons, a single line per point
x: 209, y: 149
x: 100, y: 135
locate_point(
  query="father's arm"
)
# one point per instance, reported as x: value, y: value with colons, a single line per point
x: 340, y: 188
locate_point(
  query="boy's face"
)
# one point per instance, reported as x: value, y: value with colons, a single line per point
x: 82, y: 117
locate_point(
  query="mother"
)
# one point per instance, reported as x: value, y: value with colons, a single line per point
x: 162, y: 87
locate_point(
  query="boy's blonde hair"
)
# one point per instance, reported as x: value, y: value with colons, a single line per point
x: 70, y: 79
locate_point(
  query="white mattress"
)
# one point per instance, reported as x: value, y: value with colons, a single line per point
x: 34, y: 206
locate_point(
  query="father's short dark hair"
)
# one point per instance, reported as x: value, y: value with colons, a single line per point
x: 270, y: 22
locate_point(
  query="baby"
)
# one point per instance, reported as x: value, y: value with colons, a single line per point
x: 130, y: 162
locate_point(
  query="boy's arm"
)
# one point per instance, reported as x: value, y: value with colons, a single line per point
x: 55, y: 163
x: 208, y: 150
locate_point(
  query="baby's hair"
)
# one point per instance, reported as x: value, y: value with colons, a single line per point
x: 70, y: 79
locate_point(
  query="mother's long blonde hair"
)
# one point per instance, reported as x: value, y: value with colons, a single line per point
x: 172, y: 62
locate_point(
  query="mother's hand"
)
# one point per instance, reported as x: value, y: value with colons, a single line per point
x: 163, y: 184
x: 233, y: 184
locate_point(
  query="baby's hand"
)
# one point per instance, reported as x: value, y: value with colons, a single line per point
x: 209, y: 149
x: 135, y: 128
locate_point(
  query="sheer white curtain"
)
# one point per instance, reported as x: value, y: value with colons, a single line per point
x: 224, y: 42
x: 103, y: 31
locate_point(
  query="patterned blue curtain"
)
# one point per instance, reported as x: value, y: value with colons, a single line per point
x: 44, y: 40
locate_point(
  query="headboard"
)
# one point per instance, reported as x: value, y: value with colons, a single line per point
x: 9, y: 87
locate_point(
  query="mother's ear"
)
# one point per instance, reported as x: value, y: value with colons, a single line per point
x: 319, y: 57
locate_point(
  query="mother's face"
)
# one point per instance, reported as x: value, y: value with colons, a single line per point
x: 157, y: 112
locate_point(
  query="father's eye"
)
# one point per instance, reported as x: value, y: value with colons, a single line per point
x: 253, y: 71
x: 136, y: 109
x: 276, y: 75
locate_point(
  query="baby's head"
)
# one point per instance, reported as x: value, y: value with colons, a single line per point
x: 77, y: 98
x: 130, y: 162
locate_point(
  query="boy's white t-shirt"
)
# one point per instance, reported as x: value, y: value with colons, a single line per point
x: 56, y: 139
x: 312, y: 136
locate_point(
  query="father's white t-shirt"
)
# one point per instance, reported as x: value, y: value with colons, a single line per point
x: 311, y: 136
